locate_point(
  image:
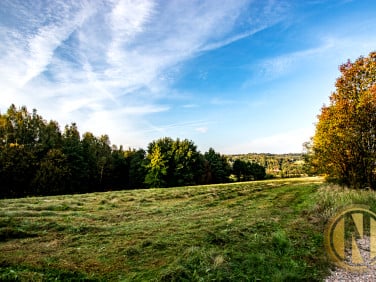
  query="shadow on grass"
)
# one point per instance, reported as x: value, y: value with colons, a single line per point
x: 10, y: 233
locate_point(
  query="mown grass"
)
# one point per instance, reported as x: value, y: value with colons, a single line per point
x: 255, y: 231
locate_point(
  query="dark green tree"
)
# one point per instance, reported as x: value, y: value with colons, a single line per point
x: 17, y: 169
x: 244, y: 170
x: 53, y: 174
x: 73, y: 150
x: 19, y: 136
x: 118, y: 176
x: 50, y: 137
x: 217, y: 167
x: 137, y: 168
x: 187, y: 164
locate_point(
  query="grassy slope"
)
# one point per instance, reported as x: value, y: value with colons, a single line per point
x: 264, y: 230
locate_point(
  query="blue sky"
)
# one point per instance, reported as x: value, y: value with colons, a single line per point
x: 239, y: 76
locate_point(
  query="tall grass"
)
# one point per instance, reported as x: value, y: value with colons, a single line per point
x: 331, y: 199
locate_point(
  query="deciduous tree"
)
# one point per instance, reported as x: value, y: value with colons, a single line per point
x: 344, y: 144
x: 217, y: 169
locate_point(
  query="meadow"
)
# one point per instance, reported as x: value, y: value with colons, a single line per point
x: 253, y: 231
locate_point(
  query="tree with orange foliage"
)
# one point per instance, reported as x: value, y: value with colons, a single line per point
x: 344, y: 144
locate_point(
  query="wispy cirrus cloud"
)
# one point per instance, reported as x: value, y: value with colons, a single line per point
x: 108, y: 62
x: 29, y: 46
x: 327, y: 48
x: 283, y: 64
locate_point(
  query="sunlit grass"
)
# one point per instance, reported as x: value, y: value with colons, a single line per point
x: 267, y: 230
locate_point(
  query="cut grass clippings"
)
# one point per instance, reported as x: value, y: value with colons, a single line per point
x: 266, y: 230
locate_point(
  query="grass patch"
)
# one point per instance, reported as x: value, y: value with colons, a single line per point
x: 21, y: 273
x: 266, y: 230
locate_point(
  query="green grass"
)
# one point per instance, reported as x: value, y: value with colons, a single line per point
x: 254, y: 231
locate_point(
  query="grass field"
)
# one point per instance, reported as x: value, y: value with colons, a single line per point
x: 267, y: 231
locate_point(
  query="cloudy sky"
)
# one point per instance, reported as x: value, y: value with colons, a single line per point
x: 239, y: 75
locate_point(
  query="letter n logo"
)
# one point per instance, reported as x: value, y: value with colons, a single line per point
x: 350, y: 238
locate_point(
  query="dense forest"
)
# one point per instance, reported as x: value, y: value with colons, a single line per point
x: 37, y: 158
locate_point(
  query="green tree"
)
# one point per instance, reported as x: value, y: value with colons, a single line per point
x: 217, y: 168
x: 18, y: 126
x: 97, y: 155
x: 72, y: 148
x: 157, y: 168
x: 17, y: 168
x: 173, y: 163
x: 89, y: 152
x: 244, y: 170
x: 20, y: 137
x: 137, y: 167
x: 256, y: 171
x: 119, y: 173
x: 50, y: 136
x: 187, y: 164
x: 238, y: 169
x: 53, y: 174
x: 104, y: 159
x: 344, y: 144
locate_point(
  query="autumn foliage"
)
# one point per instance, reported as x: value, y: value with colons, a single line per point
x: 344, y: 144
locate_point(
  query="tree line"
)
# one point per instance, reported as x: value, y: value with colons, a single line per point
x: 276, y: 165
x: 37, y: 158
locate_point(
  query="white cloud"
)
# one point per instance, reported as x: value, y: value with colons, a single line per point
x: 194, y: 124
x: 284, y: 142
x: 103, y: 63
x: 203, y: 129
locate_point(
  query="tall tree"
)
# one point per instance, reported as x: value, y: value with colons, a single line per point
x: 50, y: 136
x: 52, y: 175
x: 72, y: 148
x: 238, y: 169
x: 157, y: 168
x: 173, y: 163
x: 137, y: 167
x: 97, y: 155
x: 344, y: 144
x: 104, y: 160
x: 19, y: 136
x: 118, y: 175
x: 17, y: 168
x: 244, y: 170
x: 187, y: 164
x: 217, y: 167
